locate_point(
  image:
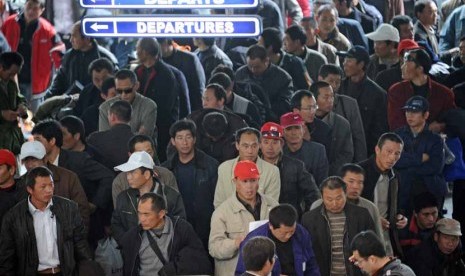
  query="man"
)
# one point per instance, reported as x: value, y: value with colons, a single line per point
x: 12, y: 103
x: 426, y: 11
x: 327, y: 18
x: 144, y: 110
x: 332, y: 225
x: 158, y: 83
x: 74, y: 68
x: 259, y: 256
x: 442, y: 253
x: 295, y: 43
x: 422, y: 160
x: 310, y: 27
x: 382, y: 186
x: 139, y: 172
x: 112, y: 143
x: 346, y: 9
x: 230, y: 221
x: 415, y: 68
x: 293, y: 243
x: 37, y: 41
x: 297, y: 185
x: 210, y: 55
x: 347, y: 107
x: 196, y: 175
x: 247, y: 144
x: 51, y: 228
x: 312, y: 154
x: 275, y: 82
x: 66, y: 183
x: 452, y: 30
x: 370, y: 97
x: 385, y: 40
x: 214, y: 96
x: 404, y: 25
x: 342, y: 147
x: 369, y: 255
x: 161, y: 244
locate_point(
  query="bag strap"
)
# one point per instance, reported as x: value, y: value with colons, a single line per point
x: 155, y: 248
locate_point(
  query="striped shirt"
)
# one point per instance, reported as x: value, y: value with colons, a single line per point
x: 337, y: 224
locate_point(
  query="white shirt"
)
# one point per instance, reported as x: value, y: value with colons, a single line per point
x: 45, y: 229
x: 55, y: 162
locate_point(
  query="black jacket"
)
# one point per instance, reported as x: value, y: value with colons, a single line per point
x: 9, y: 197
x: 317, y: 223
x: 211, y: 58
x: 182, y: 91
x: 186, y: 253
x: 18, y: 242
x: 206, y: 176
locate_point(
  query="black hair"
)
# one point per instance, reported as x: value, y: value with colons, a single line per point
x: 316, y: 86
x: 284, y: 214
x: 296, y: 100
x: 247, y: 130
x: 348, y: 2
x: 9, y: 59
x: 40, y: 171
x: 399, y: 20
x: 462, y: 38
x: 162, y: 40
x: 220, y: 92
x: 424, y: 200
x: 158, y: 202
x: 122, y: 110
x: 208, y: 41
x: 351, y: 167
x: 101, y: 64
x: 40, y: 2
x: 272, y: 37
x: 107, y: 85
x: 150, y: 46
x: 333, y: 183
x: 221, y: 79
x: 256, y: 51
x: 311, y: 20
x: 183, y: 125
x: 221, y: 68
x: 49, y: 129
x: 124, y: 74
x: 389, y: 136
x: 420, y: 6
x: 140, y: 138
x: 74, y: 125
x: 423, y: 59
x: 257, y: 251
x: 329, y: 69
x: 367, y: 243
x: 296, y: 32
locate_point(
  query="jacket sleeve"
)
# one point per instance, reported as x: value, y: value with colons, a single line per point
x: 96, y: 172
x: 380, y: 121
x: 293, y: 11
x: 307, y: 187
x: 197, y: 84
x: 81, y: 247
x: 220, y: 245
x: 7, y: 246
x: 447, y: 34
x: 78, y: 195
x: 223, y: 181
x: 281, y: 104
x: 346, y: 153
x: 321, y: 172
x: 312, y: 268
x: 273, y: 187
x: 178, y: 207
x: 60, y: 82
x: 149, y: 118
x: 118, y: 186
x: 396, y: 117
x: 117, y: 227
x: 435, y: 164
x: 103, y: 123
x: 358, y: 133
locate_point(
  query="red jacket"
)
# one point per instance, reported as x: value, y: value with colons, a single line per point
x: 43, y: 50
x: 440, y: 99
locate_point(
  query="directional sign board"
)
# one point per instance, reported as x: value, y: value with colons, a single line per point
x: 172, y: 26
x: 169, y: 4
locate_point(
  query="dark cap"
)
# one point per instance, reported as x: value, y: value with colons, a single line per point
x: 358, y: 52
x: 416, y: 103
x: 215, y: 124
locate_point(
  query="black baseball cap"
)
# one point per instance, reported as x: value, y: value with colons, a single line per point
x: 358, y: 52
x: 416, y: 103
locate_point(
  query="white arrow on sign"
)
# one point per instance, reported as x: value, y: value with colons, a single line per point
x: 96, y: 27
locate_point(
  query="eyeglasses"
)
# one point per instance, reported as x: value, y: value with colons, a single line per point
x: 124, y: 91
x: 271, y: 134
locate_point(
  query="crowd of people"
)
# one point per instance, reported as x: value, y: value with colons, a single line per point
x: 322, y: 147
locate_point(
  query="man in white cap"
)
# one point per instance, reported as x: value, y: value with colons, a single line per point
x: 66, y: 182
x: 139, y: 169
x: 385, y: 39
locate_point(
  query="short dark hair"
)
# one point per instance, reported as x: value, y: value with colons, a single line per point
x: 220, y: 92
x: 257, y: 51
x: 311, y: 20
x: 399, y: 20
x: 272, y: 37
x: 221, y: 79
x: 49, y: 129
x: 329, y: 69
x: 221, y: 68
x: 40, y: 171
x: 209, y: 41
x: 140, y: 138
x: 122, y: 110
x: 316, y: 86
x: 101, y: 64
x: 107, y: 85
x: 74, y: 125
x: 296, y: 99
x: 420, y: 6
x: 367, y: 243
x: 296, y: 32
x: 351, y: 167
x: 183, y: 125
x: 423, y: 59
x: 125, y: 74
x: 333, y: 183
x: 247, y: 130
x: 40, y: 2
x: 150, y: 46
x: 389, y: 136
x: 158, y: 202
x: 284, y: 214
x: 424, y: 200
x: 9, y: 59
x: 257, y: 251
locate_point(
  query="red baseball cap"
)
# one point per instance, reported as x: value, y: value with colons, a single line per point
x: 291, y: 119
x: 7, y: 158
x: 407, y: 44
x: 272, y: 130
x: 246, y: 170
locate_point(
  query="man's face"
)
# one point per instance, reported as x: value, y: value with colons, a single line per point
x: 6, y: 174
x: 99, y: 77
x: 47, y: 144
x: 333, y: 80
x: 363, y: 263
x: 383, y: 49
x: 69, y: 140
x: 406, y: 31
x: 325, y: 100
x: 410, y: 69
x: 246, y: 188
x: 293, y: 135
x: 388, y: 155
x: 334, y: 200
x: 144, y: 146
x: 416, y: 118
x: 9, y: 74
x: 429, y: 15
x: 210, y: 101
x: 427, y: 217
x: 77, y: 41
x: 257, y: 66
x: 166, y: 48
x: 354, y: 182
x: 32, y: 162
x: 141, y: 54
x: 291, y: 46
x: 126, y: 89
x: 327, y: 22
x: 148, y: 218
x: 462, y: 51
x: 184, y: 142
x: 446, y: 243
x: 32, y: 11
x: 111, y: 93
x: 352, y: 67
x: 283, y: 233
x: 137, y: 179
x: 307, y: 109
x: 271, y: 148
x: 309, y: 30
x: 42, y: 191
x: 248, y: 147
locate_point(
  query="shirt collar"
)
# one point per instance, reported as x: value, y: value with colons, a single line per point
x: 33, y: 209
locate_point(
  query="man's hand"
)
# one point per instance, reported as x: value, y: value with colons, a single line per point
x: 401, y: 221
x: 9, y: 115
x: 385, y: 223
x: 424, y: 157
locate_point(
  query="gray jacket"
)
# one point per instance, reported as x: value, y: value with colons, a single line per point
x: 291, y: 8
x: 395, y: 267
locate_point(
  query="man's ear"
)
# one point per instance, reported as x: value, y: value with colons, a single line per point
x: 137, y: 85
x: 53, y: 141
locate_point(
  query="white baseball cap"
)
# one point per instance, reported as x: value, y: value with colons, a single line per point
x: 136, y: 160
x: 385, y: 32
x: 32, y: 149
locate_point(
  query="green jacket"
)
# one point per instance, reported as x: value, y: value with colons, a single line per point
x: 11, y: 136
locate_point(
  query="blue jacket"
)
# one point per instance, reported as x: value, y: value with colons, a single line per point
x: 453, y: 30
x: 301, y: 245
x: 353, y: 30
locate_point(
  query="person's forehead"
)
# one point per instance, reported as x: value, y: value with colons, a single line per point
x: 350, y: 174
x: 255, y: 61
x: 332, y: 192
x: 429, y: 210
x: 307, y: 100
x: 123, y: 83
x: 184, y: 132
x: 391, y: 145
x: 143, y: 145
x: 248, y: 137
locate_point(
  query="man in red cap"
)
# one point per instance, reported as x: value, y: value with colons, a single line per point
x: 231, y: 221
x: 311, y: 153
x: 297, y: 184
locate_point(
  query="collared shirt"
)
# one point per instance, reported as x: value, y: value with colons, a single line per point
x: 45, y: 229
x: 55, y: 162
x: 255, y: 211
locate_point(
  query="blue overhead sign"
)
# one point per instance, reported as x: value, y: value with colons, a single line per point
x: 172, y: 26
x: 169, y: 4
